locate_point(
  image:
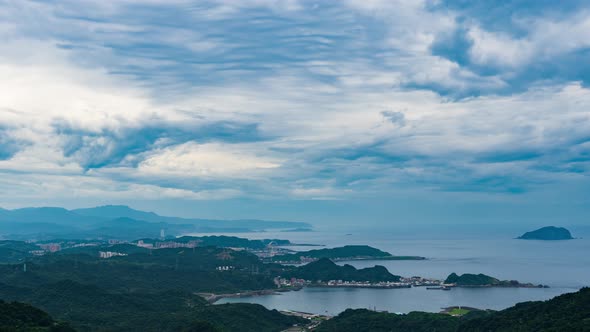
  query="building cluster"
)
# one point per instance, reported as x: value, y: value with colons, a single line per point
x: 109, y: 254
x: 168, y: 244
x: 365, y: 284
x: 402, y: 283
x: 51, y: 247
x: 58, y: 246
x: 288, y: 283
x: 225, y: 268
x: 419, y: 281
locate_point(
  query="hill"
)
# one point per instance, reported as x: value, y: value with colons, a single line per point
x: 191, y: 270
x: 349, y: 252
x: 549, y: 233
x: 482, y: 280
x: 469, y: 279
x: 568, y: 312
x: 91, y: 308
x: 146, y: 290
x: 17, y: 316
x: 324, y: 269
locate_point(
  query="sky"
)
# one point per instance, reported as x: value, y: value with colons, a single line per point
x: 373, y: 112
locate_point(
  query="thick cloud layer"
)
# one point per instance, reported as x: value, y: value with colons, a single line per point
x: 291, y: 99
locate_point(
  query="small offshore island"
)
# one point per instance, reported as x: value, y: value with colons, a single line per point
x: 549, y: 233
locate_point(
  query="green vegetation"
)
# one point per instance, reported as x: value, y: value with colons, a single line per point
x: 468, y: 279
x: 147, y: 290
x: 363, y: 320
x: 15, y: 251
x: 17, y: 316
x: 342, y: 253
x: 568, y: 312
x: 482, y: 280
x: 548, y: 233
x: 458, y: 311
x: 325, y: 270
x: 90, y: 308
x: 193, y: 270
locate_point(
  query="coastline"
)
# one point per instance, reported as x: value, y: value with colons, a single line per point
x: 212, y: 298
x: 359, y: 258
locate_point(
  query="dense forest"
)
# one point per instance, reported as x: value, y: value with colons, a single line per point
x: 568, y: 312
x: 91, y: 308
x: 479, y: 280
x: 155, y: 290
x: 469, y: 279
x: 192, y: 270
x: 17, y: 316
x: 325, y: 270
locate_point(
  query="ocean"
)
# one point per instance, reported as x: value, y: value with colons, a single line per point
x: 562, y: 265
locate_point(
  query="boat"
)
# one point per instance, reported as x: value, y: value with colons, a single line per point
x: 439, y: 288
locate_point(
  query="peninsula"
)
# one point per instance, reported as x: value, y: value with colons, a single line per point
x: 549, y: 233
x: 345, y: 253
x: 325, y: 269
x: 482, y: 280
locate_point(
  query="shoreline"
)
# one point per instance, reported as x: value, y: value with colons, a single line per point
x: 360, y: 258
x: 213, y: 298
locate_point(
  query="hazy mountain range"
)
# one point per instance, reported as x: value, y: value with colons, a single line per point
x: 117, y: 221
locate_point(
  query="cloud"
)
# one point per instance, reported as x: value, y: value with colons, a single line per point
x: 9, y: 145
x: 206, y: 160
x: 110, y: 147
x: 397, y: 118
x: 272, y: 99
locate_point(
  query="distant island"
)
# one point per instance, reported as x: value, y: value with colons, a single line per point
x: 345, y: 253
x: 549, y: 233
x: 482, y: 280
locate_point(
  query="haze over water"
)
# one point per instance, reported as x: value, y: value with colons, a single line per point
x: 562, y: 265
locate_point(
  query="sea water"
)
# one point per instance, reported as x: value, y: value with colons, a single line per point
x: 562, y: 265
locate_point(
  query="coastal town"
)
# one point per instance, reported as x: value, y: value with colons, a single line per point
x: 265, y: 249
x: 294, y: 283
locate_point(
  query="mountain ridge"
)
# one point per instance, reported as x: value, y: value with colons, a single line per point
x: 108, y: 220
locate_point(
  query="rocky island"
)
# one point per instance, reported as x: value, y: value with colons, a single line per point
x: 482, y: 280
x: 549, y: 233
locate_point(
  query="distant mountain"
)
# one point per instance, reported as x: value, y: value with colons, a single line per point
x: 47, y: 215
x: 116, y: 221
x: 116, y: 211
x: 548, y: 233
